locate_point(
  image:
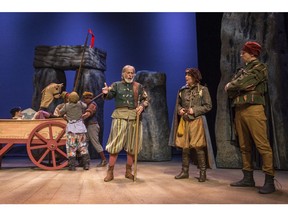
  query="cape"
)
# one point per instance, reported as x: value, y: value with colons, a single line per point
x: 173, y: 132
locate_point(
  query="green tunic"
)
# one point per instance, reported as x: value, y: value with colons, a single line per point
x: 123, y: 128
x: 249, y: 84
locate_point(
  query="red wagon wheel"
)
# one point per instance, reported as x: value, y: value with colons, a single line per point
x: 46, y: 145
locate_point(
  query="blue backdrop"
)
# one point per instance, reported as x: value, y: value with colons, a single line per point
x: 163, y: 42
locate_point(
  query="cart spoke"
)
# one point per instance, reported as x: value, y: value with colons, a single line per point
x: 60, y: 135
x: 41, y: 137
x: 50, y: 131
x: 38, y: 146
x: 61, y: 152
x: 54, y: 159
x: 43, y: 156
x: 61, y: 143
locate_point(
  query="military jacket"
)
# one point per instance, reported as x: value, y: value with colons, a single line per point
x: 196, y: 97
x: 128, y: 95
x: 249, y: 84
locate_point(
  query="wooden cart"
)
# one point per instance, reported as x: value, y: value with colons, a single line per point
x: 45, y: 140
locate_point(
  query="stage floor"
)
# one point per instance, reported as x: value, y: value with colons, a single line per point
x: 23, y: 183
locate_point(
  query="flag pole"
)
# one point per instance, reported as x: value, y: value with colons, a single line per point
x: 82, y: 59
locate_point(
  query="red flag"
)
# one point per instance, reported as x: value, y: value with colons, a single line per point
x: 92, y: 38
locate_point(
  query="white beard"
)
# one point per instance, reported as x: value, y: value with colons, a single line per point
x: 128, y: 80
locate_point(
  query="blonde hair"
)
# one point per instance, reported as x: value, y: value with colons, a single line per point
x: 73, y: 97
x: 87, y: 94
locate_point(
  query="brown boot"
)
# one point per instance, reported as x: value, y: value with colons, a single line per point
x: 202, y: 165
x: 185, y: 165
x: 110, y: 175
x: 183, y: 174
x: 128, y: 173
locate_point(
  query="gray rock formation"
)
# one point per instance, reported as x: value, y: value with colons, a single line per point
x: 155, y: 118
x: 269, y: 30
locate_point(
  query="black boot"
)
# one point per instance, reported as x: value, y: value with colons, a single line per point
x: 247, y: 181
x: 72, y: 162
x: 268, y: 186
x: 202, y: 165
x: 185, y: 165
x: 86, y: 161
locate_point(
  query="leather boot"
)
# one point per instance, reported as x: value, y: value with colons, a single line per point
x: 183, y: 174
x: 103, y: 162
x: 268, y: 186
x: 247, y: 181
x: 185, y: 165
x: 128, y: 173
x: 86, y: 161
x: 202, y: 165
x: 72, y: 162
x: 110, y: 175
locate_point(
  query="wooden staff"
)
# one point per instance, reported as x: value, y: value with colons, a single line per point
x: 136, y: 146
x: 136, y: 138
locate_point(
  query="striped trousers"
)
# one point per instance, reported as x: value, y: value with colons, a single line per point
x: 123, y: 136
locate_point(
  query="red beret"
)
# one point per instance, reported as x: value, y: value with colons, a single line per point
x: 253, y: 48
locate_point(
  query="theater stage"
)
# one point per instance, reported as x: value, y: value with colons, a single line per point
x: 23, y: 183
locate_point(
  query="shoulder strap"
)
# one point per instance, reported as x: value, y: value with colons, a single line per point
x: 135, y: 92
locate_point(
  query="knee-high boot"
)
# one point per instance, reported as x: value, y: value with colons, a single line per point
x: 202, y: 165
x: 185, y: 165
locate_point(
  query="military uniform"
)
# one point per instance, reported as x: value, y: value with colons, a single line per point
x: 247, y: 90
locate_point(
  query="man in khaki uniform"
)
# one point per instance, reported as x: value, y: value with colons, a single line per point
x: 247, y: 89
